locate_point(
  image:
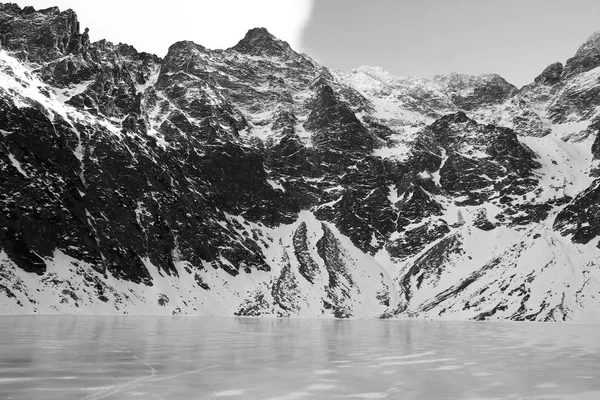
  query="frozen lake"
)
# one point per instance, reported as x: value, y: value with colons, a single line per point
x: 199, y: 358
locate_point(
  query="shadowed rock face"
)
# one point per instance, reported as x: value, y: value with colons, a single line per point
x: 581, y: 218
x: 308, y: 267
x: 586, y: 58
x: 596, y: 144
x: 469, y: 93
x: 560, y: 95
x: 551, y: 74
x: 115, y: 199
x: 41, y: 35
x: 201, y: 163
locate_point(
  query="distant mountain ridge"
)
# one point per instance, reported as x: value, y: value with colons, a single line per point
x: 253, y: 181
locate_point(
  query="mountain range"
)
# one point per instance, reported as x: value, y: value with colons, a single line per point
x: 253, y: 181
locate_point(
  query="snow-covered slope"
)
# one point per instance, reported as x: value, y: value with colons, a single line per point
x: 254, y: 181
x: 562, y: 101
x: 404, y: 103
x: 315, y: 272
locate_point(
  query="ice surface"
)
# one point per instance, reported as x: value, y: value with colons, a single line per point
x: 202, y: 358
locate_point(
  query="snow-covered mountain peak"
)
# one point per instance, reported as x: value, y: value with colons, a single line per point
x: 377, y: 73
x: 593, y: 42
x: 253, y: 181
x: 461, y: 80
x: 404, y: 103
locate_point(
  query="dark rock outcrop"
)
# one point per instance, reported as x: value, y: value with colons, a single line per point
x: 581, y: 217
x: 551, y: 75
x: 586, y: 58
x: 486, y: 90
x: 259, y: 42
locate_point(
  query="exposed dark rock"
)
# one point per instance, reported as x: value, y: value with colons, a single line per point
x: 415, y: 205
x: 340, y: 281
x: 596, y: 144
x: 259, y: 42
x: 481, y: 161
x: 551, y: 75
x: 415, y: 240
x: 286, y: 292
x: 482, y: 222
x: 586, y: 58
x: 334, y: 125
x: 331, y: 251
x: 308, y: 267
x: 581, y: 218
x: 461, y: 286
x: 431, y: 264
x: 39, y: 39
x: 487, y: 89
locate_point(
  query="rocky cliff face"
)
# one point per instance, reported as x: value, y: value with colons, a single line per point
x: 253, y: 181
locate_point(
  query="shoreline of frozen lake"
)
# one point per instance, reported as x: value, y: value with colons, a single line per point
x: 129, y: 357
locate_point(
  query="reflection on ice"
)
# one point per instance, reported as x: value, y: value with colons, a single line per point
x: 197, y: 358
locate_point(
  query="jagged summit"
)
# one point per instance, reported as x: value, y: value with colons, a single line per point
x: 43, y: 35
x: 593, y: 42
x: 30, y: 9
x: 457, y: 118
x: 423, y: 99
x: 586, y: 58
x: 459, y: 78
x: 456, y: 78
x: 260, y: 42
x: 551, y: 74
x: 184, y: 45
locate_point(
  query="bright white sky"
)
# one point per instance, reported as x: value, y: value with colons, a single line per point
x: 153, y: 26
